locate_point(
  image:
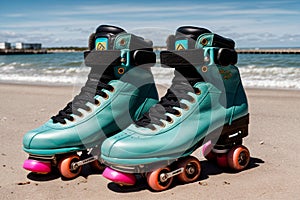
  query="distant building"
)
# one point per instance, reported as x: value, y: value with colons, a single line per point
x: 5, y: 45
x: 20, y: 45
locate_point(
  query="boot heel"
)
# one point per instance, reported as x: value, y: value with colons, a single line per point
x: 234, y: 133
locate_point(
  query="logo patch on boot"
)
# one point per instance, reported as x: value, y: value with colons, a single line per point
x: 101, y: 44
x: 181, y: 45
x: 225, y: 73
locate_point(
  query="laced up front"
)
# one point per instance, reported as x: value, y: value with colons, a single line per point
x: 93, y: 87
x: 168, y: 104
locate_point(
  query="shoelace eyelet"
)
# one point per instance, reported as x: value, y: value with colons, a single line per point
x: 170, y: 120
x: 197, y: 91
x: 186, y: 108
x: 97, y: 102
x: 163, y: 125
x: 192, y: 100
x: 153, y: 129
x: 106, y: 96
x: 112, y: 90
x: 72, y: 119
x: 80, y: 115
x: 89, y: 109
x: 178, y: 114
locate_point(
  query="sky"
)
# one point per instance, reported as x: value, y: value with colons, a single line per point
x: 55, y: 23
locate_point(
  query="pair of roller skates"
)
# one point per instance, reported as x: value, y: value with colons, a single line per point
x: 116, y: 120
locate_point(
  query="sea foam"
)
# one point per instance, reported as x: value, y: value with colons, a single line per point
x: 261, y: 71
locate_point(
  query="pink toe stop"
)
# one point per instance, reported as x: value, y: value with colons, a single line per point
x: 119, y: 177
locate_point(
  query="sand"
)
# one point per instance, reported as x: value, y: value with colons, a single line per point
x: 274, y: 171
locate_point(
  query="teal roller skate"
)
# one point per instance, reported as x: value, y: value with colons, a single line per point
x: 206, y: 103
x: 119, y: 89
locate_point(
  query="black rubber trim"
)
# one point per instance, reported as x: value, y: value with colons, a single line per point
x: 142, y: 57
x: 112, y: 57
x: 191, y: 31
x: 183, y: 58
x: 109, y: 29
x: 225, y: 57
x: 102, y: 58
x: 222, y: 42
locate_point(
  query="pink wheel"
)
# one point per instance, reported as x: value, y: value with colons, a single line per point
x: 222, y: 160
x: 120, y: 178
x: 37, y: 166
x: 238, y: 157
x: 207, y: 151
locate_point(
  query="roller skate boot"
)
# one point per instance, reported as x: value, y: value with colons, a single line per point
x: 206, y: 104
x: 119, y: 89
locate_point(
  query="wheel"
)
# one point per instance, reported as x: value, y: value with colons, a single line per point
x: 120, y: 178
x: 238, y: 158
x: 192, y: 169
x: 207, y: 152
x: 156, y: 179
x: 222, y: 160
x: 96, y: 165
x: 37, y: 166
x: 65, y: 164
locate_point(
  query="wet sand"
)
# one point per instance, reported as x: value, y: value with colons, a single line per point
x: 274, y: 143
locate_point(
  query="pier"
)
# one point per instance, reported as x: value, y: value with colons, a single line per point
x: 22, y: 51
x: 268, y: 51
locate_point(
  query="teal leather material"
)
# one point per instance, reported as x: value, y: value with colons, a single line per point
x: 209, y: 40
x: 137, y: 145
x: 134, y: 93
x: 222, y: 100
x: 113, y: 114
x: 122, y: 41
x: 227, y: 79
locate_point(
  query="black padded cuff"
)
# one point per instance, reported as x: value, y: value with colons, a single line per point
x: 142, y: 57
x: 102, y: 58
x: 184, y: 58
x: 222, y: 42
x: 225, y: 57
x: 113, y: 57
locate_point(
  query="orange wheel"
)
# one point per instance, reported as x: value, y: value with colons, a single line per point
x: 192, y: 169
x: 238, y: 157
x: 65, y: 164
x: 157, y: 181
x: 97, y: 165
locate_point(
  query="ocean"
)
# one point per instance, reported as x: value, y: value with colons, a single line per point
x: 281, y: 71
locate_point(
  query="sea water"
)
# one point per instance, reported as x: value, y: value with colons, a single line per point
x: 257, y: 70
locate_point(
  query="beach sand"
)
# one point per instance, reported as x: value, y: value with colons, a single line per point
x: 274, y: 143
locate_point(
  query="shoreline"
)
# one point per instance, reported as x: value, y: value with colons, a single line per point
x: 79, y: 85
x: 283, y: 50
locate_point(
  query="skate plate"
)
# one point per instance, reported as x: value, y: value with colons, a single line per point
x: 37, y: 166
x: 120, y: 178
